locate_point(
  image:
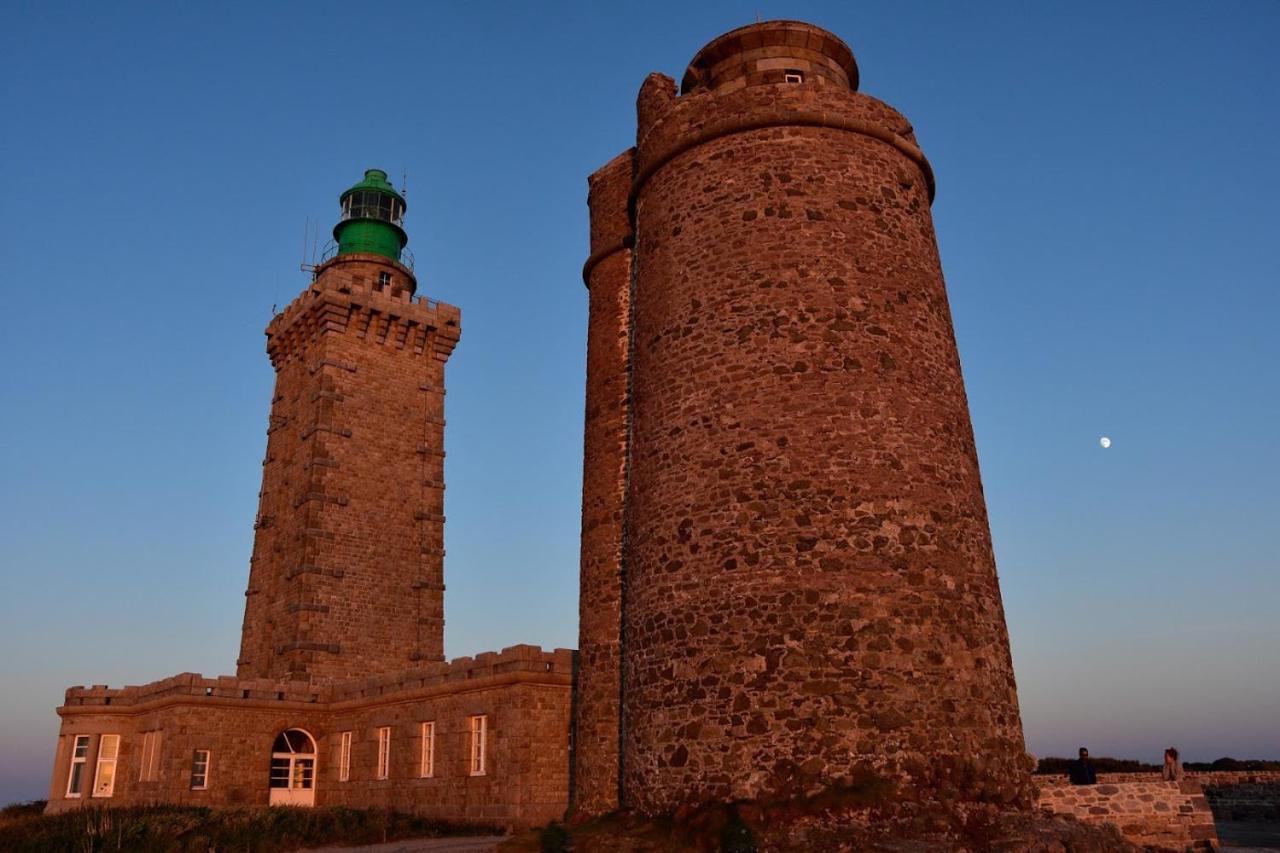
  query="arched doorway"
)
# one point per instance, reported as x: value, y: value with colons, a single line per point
x: 293, y: 769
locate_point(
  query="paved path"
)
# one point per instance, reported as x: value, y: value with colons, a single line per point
x: 474, y: 844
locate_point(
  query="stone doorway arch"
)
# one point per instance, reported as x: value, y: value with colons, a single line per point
x: 293, y: 769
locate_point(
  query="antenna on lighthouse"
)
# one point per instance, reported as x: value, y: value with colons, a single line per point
x: 404, y: 183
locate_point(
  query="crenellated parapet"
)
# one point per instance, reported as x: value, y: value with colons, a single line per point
x: 526, y: 660
x: 193, y: 685
x: 372, y: 297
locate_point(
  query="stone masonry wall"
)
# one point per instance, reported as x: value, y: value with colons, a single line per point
x: 523, y: 691
x: 355, y: 456
x: 810, y: 588
x: 1150, y: 812
x: 599, y: 687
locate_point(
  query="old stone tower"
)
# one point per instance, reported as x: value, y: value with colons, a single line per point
x: 342, y: 696
x: 787, y: 573
x: 347, y: 576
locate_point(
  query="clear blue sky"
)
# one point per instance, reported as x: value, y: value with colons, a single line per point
x: 1106, y: 209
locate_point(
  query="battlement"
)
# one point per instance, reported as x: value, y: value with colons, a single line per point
x: 366, y: 293
x: 459, y: 671
x: 521, y: 658
x: 193, y: 684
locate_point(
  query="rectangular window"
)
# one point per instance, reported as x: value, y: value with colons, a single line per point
x: 384, y: 752
x: 479, y: 728
x: 344, y: 757
x: 199, y: 769
x: 79, y: 755
x: 428, y: 766
x: 104, y: 778
x: 794, y: 75
x: 150, y: 769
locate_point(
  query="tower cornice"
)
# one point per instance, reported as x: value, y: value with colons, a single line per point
x: 349, y: 295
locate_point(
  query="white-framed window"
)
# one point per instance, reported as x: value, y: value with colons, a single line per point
x: 794, y: 75
x: 104, y: 777
x: 384, y: 752
x: 479, y: 729
x: 199, y: 769
x: 149, y: 771
x: 344, y: 757
x: 79, y: 755
x: 427, y: 766
x: 384, y: 278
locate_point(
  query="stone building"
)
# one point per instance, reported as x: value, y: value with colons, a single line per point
x: 787, y: 574
x: 342, y: 695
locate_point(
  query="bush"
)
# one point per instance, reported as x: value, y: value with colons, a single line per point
x: 192, y: 829
x: 1058, y: 766
x: 553, y: 838
x: 1253, y: 764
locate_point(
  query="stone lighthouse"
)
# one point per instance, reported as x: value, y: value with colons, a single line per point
x: 347, y: 577
x: 787, y: 573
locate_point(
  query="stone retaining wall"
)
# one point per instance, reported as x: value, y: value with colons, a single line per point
x: 1154, y: 813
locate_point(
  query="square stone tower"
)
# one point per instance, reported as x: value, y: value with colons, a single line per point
x: 347, y: 578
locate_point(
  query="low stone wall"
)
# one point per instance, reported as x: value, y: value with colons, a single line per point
x: 1243, y: 796
x: 1151, y: 812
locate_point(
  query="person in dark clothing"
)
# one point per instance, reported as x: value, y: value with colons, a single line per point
x: 1081, y: 770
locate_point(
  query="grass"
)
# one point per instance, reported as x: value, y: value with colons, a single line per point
x: 192, y: 829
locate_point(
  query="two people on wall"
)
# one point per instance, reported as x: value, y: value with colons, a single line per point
x: 1082, y: 772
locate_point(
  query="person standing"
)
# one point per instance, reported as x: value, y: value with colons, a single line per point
x: 1081, y: 771
x: 1172, y: 770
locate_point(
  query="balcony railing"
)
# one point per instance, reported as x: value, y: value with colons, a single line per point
x: 330, y: 251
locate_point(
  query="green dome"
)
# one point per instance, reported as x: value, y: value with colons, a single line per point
x: 372, y: 214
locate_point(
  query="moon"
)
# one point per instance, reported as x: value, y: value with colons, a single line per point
x: 1105, y: 442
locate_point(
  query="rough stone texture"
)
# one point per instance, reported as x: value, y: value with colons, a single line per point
x: 809, y: 590
x: 598, y: 690
x: 524, y: 691
x: 1153, y: 813
x: 347, y: 573
x: 1243, y: 796
x: 752, y: 55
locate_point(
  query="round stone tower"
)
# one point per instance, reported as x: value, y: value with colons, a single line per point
x: 808, y: 591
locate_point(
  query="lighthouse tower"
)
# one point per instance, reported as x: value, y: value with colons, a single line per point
x: 787, y: 574
x: 347, y: 578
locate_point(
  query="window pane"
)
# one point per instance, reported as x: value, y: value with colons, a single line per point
x: 77, y: 776
x: 109, y: 747
x: 82, y: 746
x: 106, y: 779
x: 280, y: 772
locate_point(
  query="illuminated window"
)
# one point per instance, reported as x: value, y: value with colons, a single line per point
x: 428, y: 763
x: 104, y: 778
x: 150, y: 769
x: 79, y: 755
x: 479, y: 729
x: 384, y: 752
x: 293, y: 763
x: 199, y: 769
x: 344, y: 757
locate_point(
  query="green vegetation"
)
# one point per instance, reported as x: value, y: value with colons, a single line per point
x: 1253, y: 764
x: 1102, y: 764
x: 191, y: 829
